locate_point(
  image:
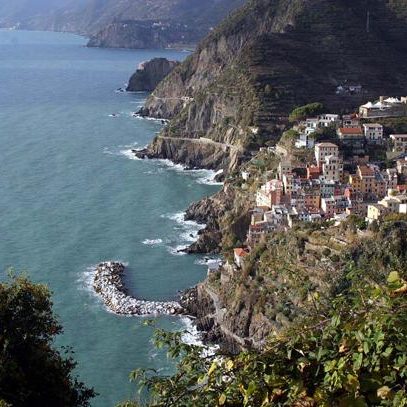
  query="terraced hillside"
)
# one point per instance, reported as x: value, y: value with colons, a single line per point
x: 272, y: 55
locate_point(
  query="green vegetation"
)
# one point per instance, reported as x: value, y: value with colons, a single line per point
x: 326, y: 134
x: 289, y: 138
x: 300, y: 113
x: 345, y: 345
x: 32, y: 372
x: 353, y: 354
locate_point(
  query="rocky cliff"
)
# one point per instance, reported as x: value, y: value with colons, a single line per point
x: 286, y: 276
x: 149, y: 74
x: 270, y: 56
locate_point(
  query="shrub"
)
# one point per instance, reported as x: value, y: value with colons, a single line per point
x: 300, y: 113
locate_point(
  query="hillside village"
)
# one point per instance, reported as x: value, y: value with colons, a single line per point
x: 351, y: 167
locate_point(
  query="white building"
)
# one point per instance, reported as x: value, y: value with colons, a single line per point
x: 393, y: 202
x: 323, y: 150
x: 350, y: 121
x: 332, y: 168
x: 285, y: 167
x: 373, y: 132
x: 305, y: 141
x: 402, y: 167
x: 399, y: 142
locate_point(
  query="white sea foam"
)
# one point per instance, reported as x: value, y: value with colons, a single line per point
x: 201, y: 176
x: 207, y: 261
x: 151, y: 119
x: 191, y: 336
x: 186, y: 230
x: 152, y: 242
x: 177, y: 251
x: 206, y: 176
x: 128, y: 153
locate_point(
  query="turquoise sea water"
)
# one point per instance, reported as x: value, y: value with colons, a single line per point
x: 71, y: 196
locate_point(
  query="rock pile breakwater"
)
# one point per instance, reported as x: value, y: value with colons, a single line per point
x: 108, y: 283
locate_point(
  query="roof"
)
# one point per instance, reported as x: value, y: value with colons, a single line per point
x: 326, y: 145
x: 398, y: 135
x: 240, y: 252
x: 351, y: 130
x: 371, y: 125
x: 313, y: 169
x: 392, y: 100
x: 366, y: 171
x: 350, y: 116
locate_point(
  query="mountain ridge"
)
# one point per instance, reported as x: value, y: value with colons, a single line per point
x: 273, y: 55
x: 103, y: 20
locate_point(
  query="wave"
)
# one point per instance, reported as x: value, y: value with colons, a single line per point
x: 152, y: 242
x: 128, y: 153
x: 208, y: 261
x: 151, y: 119
x: 206, y: 177
x: 177, y: 250
x: 201, y: 176
x: 187, y: 232
x: 191, y: 336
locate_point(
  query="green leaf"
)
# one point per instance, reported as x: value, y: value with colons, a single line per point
x: 393, y: 277
x: 366, y: 347
x: 213, y: 367
x: 357, y: 361
x: 222, y: 399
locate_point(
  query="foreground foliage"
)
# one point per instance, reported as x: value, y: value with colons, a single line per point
x: 353, y: 354
x: 32, y: 372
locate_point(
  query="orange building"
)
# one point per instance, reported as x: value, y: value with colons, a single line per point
x: 368, y: 181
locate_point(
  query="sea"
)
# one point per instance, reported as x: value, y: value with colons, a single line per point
x: 72, y: 195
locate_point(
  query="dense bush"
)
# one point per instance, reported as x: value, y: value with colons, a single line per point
x: 353, y: 354
x: 300, y: 113
x: 32, y: 372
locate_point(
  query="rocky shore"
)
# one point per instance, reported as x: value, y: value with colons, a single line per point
x: 108, y: 283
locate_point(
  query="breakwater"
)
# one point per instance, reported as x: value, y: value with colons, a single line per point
x: 108, y: 283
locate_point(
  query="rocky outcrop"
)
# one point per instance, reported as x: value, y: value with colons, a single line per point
x: 108, y: 283
x: 193, y: 152
x: 209, y: 211
x: 272, y: 55
x: 149, y: 74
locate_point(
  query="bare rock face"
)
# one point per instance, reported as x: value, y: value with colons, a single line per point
x: 150, y: 74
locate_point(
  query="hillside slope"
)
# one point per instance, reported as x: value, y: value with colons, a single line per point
x: 286, y: 273
x: 268, y: 57
x: 123, y: 23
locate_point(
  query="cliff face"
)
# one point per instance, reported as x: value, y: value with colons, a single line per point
x: 284, y: 276
x: 149, y: 74
x: 272, y: 55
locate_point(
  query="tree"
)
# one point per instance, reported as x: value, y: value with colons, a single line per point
x: 32, y: 372
x: 301, y: 113
x: 289, y: 138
